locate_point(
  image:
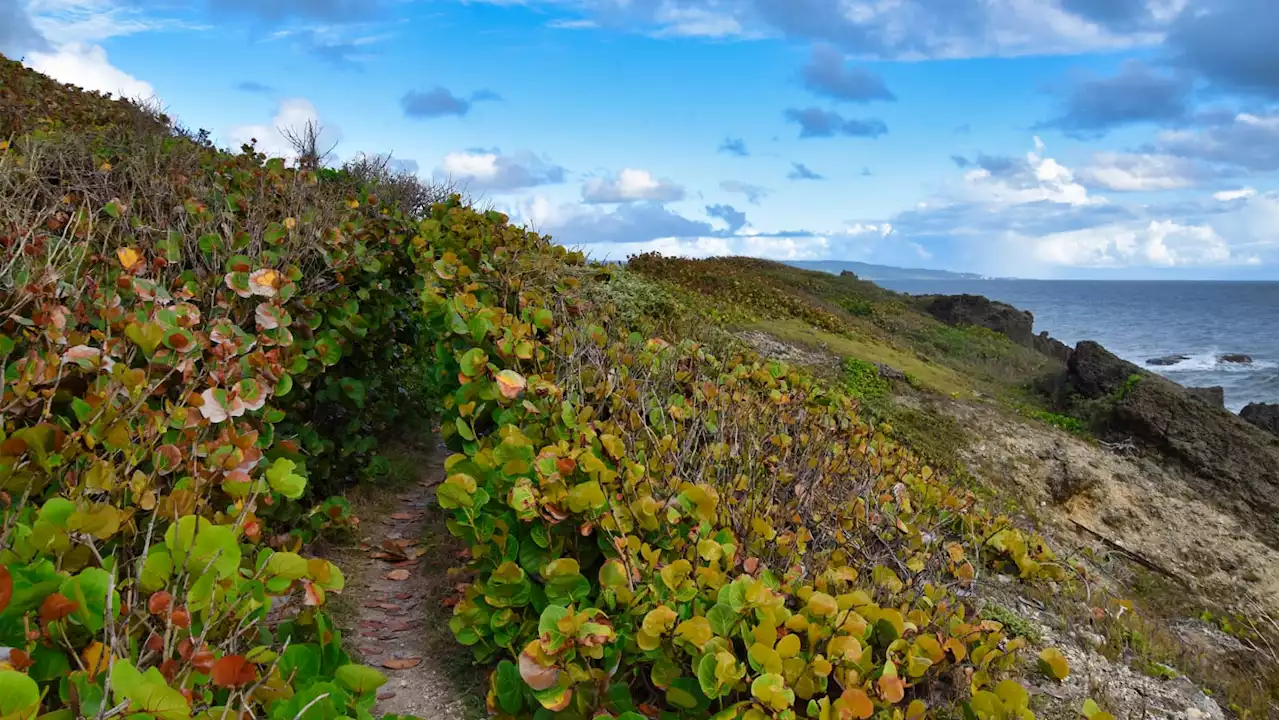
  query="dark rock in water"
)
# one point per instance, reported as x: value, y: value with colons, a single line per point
x: 1168, y: 360
x: 1235, y: 358
x: 1052, y: 347
x: 977, y: 310
x: 1212, y: 395
x: 1263, y: 415
x: 1230, y: 461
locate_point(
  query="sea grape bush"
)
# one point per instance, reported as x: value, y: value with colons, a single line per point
x: 190, y: 341
x: 660, y: 531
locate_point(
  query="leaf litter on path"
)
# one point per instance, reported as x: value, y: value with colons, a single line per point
x: 403, y: 594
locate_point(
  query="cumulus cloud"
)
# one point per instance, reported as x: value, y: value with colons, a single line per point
x: 491, y: 170
x: 18, y: 34
x: 800, y: 172
x: 734, y: 146
x: 292, y: 114
x: 815, y: 122
x: 1142, y: 172
x: 1158, y: 243
x: 1094, y: 105
x: 87, y: 66
x: 901, y: 30
x: 1244, y: 140
x: 731, y: 216
x: 579, y: 224
x: 440, y: 102
x: 1229, y: 195
x: 61, y: 39
x: 1231, y: 43
x: 753, y: 193
x: 631, y: 185
x: 827, y: 74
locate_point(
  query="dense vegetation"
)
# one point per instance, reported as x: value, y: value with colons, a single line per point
x: 199, y: 346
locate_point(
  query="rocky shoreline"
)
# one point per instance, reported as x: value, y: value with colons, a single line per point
x: 1233, y: 455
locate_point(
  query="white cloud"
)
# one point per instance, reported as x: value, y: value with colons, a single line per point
x: 492, y: 170
x: 630, y: 185
x: 1140, y: 172
x: 1016, y: 182
x: 1160, y: 243
x: 292, y: 114
x: 87, y: 66
x: 1229, y: 195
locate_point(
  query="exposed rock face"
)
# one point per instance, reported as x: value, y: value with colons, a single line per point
x: 1212, y: 395
x: 1263, y: 415
x: 1235, y: 358
x: 1052, y: 347
x: 1015, y: 324
x: 1168, y: 360
x: 1235, y: 462
x: 977, y: 310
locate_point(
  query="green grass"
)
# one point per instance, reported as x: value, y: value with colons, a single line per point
x: 1013, y: 623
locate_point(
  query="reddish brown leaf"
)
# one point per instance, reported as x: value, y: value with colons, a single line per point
x: 180, y: 618
x: 398, y: 575
x: 6, y: 587
x: 202, y: 660
x: 401, y: 663
x: 233, y: 671
x: 403, y: 515
x: 386, y: 695
x: 158, y: 603
x: 56, y: 607
x: 20, y: 660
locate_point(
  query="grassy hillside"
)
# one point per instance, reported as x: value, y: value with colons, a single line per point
x: 201, y: 349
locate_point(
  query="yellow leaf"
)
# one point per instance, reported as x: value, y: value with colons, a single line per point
x: 1054, y: 664
x: 128, y: 257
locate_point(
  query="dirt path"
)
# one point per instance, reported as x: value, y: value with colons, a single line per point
x: 392, y: 612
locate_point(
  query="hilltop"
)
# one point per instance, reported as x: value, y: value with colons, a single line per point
x: 673, y: 488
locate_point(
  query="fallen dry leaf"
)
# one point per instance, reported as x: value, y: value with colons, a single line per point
x: 404, y: 515
x: 398, y: 575
x: 401, y: 663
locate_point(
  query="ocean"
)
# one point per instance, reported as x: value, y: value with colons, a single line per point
x: 1138, y: 320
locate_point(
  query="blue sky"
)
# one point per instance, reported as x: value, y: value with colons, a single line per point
x: 1049, y: 138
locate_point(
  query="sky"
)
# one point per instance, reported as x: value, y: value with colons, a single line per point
x: 1125, y: 139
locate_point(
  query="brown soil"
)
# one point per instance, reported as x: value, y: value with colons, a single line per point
x: 400, y: 576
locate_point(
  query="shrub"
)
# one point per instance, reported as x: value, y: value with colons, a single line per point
x: 193, y: 341
x: 655, y: 526
x: 862, y: 380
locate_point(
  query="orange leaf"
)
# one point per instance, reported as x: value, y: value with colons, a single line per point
x: 180, y: 618
x: 233, y: 671
x: 892, y: 688
x: 56, y: 607
x: 401, y: 663
x: 398, y: 575
x: 854, y: 703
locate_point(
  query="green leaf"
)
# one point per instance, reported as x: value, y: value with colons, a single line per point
x: 19, y: 695
x: 473, y: 362
x: 282, y: 478
x: 510, y: 688
x: 359, y: 679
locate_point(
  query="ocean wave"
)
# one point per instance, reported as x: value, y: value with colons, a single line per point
x: 1208, y: 362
